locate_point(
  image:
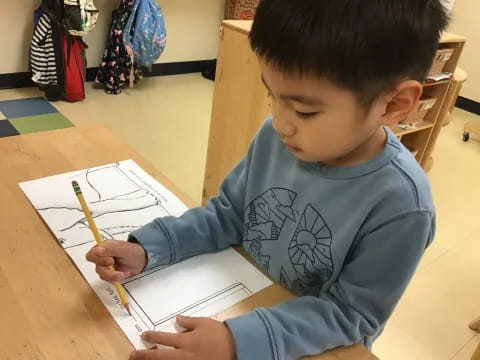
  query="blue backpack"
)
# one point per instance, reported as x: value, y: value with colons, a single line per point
x: 145, y: 35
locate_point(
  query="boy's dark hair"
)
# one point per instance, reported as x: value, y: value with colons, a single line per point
x: 366, y: 46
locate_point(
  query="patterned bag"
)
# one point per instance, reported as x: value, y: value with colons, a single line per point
x: 147, y: 42
x: 80, y: 16
x: 114, y: 72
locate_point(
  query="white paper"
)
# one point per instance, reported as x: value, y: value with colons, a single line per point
x: 122, y: 197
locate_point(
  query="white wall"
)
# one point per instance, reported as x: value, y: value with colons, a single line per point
x: 192, y: 27
x: 466, y: 23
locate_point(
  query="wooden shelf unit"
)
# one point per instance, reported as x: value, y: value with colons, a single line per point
x: 426, y: 85
x: 240, y: 104
x: 449, y: 41
x: 419, y: 138
x: 424, y: 125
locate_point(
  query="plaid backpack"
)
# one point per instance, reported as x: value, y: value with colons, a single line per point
x: 147, y: 41
x: 80, y: 16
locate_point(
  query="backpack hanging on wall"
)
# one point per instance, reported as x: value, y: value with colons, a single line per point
x: 80, y: 16
x: 146, y: 42
x: 114, y: 72
x: 75, y: 67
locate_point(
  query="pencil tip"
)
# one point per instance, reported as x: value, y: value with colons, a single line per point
x: 127, y: 307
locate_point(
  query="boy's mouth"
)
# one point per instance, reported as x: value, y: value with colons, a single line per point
x: 291, y: 147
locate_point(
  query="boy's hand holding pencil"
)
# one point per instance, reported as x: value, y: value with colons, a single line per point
x: 100, y: 244
x: 127, y: 259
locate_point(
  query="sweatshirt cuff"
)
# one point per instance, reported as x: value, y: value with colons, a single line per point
x: 156, y: 242
x: 252, y: 337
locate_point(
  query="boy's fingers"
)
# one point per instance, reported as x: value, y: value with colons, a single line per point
x: 144, y: 355
x: 163, y: 338
x: 156, y: 355
x: 188, y: 323
x: 95, y: 253
x: 90, y: 256
x: 107, y: 261
x: 112, y: 248
x: 107, y: 274
x: 93, y: 256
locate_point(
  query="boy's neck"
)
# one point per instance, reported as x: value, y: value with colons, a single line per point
x: 368, y: 150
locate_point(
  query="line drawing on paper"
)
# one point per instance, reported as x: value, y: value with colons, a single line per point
x: 129, y: 196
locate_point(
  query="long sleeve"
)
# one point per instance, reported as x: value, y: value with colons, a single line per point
x: 355, y: 307
x: 200, y: 230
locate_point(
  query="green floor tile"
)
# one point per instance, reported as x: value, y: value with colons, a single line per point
x: 31, y: 124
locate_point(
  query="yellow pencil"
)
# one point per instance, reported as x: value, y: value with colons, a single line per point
x: 99, y: 240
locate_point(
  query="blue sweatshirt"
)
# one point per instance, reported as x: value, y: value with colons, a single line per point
x: 346, y: 240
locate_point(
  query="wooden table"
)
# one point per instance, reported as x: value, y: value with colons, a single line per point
x: 48, y: 311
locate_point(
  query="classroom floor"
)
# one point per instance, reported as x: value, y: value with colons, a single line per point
x: 166, y: 119
x: 24, y: 116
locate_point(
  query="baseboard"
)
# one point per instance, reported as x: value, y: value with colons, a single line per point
x: 16, y: 80
x: 176, y: 68
x: 468, y: 105
x: 23, y: 79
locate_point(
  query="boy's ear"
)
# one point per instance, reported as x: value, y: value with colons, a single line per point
x: 401, y: 101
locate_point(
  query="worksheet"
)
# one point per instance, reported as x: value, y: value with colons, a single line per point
x: 122, y: 197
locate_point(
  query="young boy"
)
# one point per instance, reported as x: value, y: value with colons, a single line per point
x: 327, y: 200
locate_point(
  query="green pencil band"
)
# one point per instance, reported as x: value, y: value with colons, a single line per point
x: 76, y: 188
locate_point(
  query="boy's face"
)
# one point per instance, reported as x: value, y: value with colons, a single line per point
x: 320, y: 122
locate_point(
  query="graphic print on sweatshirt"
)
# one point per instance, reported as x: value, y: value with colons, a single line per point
x: 274, y: 226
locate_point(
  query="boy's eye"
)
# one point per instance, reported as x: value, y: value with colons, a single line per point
x: 306, y: 115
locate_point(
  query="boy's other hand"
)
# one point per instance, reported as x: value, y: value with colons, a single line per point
x: 205, y: 339
x: 127, y: 258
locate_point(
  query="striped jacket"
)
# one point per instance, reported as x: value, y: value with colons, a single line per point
x: 44, y: 67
